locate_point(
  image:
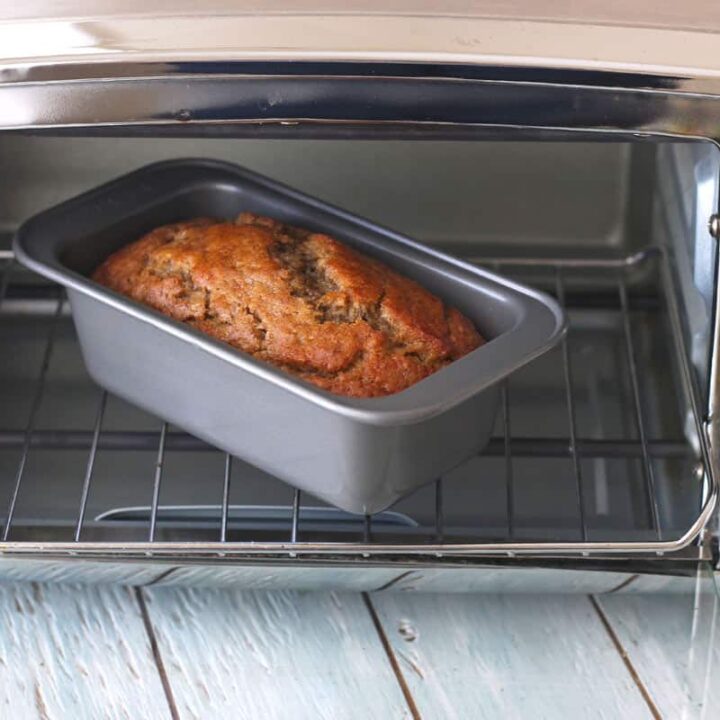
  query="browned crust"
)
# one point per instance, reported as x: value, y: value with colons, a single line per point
x: 300, y: 300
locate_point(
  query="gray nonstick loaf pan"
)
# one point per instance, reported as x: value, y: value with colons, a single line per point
x: 358, y: 454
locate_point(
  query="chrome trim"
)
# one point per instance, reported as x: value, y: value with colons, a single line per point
x: 681, y: 43
x: 686, y: 197
x: 527, y: 101
x: 712, y: 424
x: 236, y: 550
x: 705, y: 430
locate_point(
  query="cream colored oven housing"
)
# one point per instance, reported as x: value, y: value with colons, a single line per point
x: 575, y: 151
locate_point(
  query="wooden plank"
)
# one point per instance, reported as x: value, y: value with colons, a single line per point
x: 75, y: 652
x: 672, y: 642
x: 511, y: 656
x: 284, y: 655
x: 80, y: 571
x: 663, y: 584
x: 498, y: 581
x: 281, y: 577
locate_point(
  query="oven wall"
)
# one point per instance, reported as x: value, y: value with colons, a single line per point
x: 518, y: 197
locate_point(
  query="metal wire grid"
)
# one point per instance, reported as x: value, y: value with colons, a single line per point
x: 506, y: 446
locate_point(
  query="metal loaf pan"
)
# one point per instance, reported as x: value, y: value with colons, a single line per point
x: 358, y: 454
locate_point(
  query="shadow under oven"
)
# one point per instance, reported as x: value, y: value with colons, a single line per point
x: 604, y: 456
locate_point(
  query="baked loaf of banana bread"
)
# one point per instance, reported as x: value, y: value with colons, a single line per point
x: 300, y: 300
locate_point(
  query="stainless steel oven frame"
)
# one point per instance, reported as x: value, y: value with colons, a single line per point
x: 368, y: 99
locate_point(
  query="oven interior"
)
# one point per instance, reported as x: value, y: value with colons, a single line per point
x: 598, y: 442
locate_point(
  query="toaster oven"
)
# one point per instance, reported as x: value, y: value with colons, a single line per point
x: 574, y: 164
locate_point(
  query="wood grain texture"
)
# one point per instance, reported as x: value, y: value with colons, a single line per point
x: 79, y: 571
x: 278, y: 577
x: 664, y: 584
x: 513, y: 656
x: 508, y: 580
x: 672, y: 642
x: 75, y: 652
x: 282, y: 655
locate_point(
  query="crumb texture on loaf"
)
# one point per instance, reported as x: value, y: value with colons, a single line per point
x: 300, y: 300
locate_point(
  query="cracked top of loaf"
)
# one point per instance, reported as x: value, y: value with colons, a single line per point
x: 299, y: 300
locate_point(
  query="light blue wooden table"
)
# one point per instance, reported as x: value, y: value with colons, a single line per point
x: 74, y: 651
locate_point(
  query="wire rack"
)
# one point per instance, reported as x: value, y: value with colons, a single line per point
x: 599, y: 448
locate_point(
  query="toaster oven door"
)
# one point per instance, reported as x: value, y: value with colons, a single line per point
x: 599, y: 457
